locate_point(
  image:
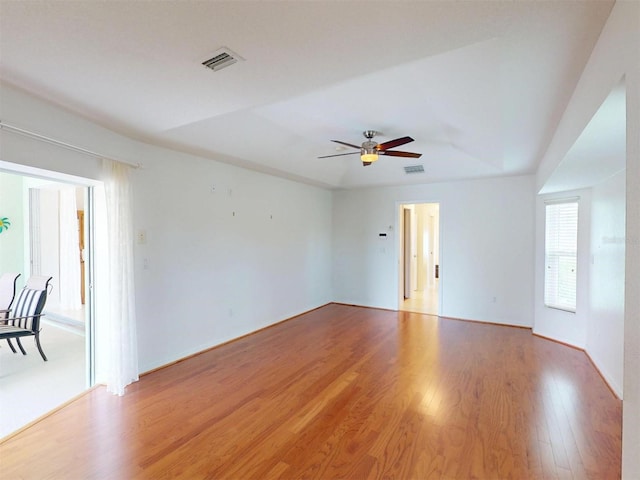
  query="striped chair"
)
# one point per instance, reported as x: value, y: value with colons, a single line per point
x: 24, y: 319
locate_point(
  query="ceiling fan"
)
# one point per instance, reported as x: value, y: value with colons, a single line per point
x: 369, y: 150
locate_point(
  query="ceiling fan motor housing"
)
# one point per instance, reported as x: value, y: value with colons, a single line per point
x: 369, y: 147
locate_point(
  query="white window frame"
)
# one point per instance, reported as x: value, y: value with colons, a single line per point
x: 561, y: 254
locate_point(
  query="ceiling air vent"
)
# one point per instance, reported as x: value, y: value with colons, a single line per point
x: 414, y: 169
x: 222, y: 58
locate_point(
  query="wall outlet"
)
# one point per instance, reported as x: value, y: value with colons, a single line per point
x: 141, y: 237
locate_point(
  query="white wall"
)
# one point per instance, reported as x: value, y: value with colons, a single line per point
x: 605, y: 328
x: 616, y: 54
x: 564, y: 326
x: 49, y: 206
x: 212, y: 276
x: 486, y: 238
x: 223, y: 262
x: 631, y: 406
x: 597, y: 326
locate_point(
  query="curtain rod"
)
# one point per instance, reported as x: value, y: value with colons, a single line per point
x: 58, y: 143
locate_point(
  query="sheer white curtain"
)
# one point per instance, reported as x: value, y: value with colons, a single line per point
x: 116, y: 341
x: 69, y: 250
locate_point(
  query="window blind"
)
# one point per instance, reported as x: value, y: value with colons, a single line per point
x: 561, y: 254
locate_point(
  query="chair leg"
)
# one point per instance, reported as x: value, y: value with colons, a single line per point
x: 13, y: 349
x: 20, y: 346
x: 44, y: 357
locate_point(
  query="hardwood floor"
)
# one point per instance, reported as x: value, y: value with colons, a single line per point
x: 343, y: 392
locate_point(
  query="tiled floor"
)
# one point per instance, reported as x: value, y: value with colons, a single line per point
x: 29, y: 386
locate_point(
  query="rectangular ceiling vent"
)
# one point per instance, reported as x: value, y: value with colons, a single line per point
x: 414, y: 169
x: 222, y: 58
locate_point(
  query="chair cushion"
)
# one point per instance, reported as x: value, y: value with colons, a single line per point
x: 9, y: 331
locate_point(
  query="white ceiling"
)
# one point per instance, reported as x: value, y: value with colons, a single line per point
x: 479, y: 85
x: 600, y: 150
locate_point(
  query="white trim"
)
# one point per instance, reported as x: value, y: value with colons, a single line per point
x: 553, y: 201
x: 26, y: 170
x: 58, y: 143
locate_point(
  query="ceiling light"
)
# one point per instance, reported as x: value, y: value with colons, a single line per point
x: 368, y: 152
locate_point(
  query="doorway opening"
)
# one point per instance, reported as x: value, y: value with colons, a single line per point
x: 50, y: 235
x: 419, y: 258
x: 56, y: 236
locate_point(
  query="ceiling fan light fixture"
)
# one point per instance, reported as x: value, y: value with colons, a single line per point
x: 369, y: 157
x: 368, y: 152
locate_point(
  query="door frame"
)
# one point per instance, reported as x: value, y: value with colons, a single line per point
x: 407, y: 251
x: 399, y: 226
x: 88, y: 185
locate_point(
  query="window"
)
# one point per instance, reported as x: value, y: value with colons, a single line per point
x: 560, y: 255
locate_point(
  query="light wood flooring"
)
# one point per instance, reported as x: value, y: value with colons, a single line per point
x: 343, y: 392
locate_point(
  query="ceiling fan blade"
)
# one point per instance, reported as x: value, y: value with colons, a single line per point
x: 339, y: 154
x: 394, y: 143
x: 347, y: 144
x: 395, y: 153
